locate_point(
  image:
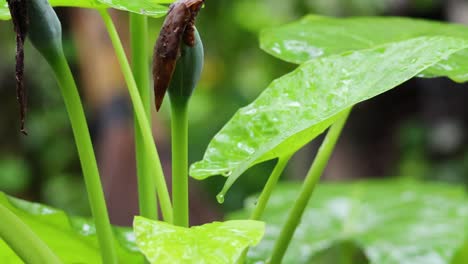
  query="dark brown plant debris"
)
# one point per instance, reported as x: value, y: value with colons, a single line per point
x: 19, y: 16
x: 178, y: 26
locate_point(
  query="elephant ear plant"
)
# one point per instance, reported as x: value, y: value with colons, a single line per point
x: 342, y: 62
x: 26, y: 234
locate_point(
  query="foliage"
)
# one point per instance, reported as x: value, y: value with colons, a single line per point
x: 218, y: 242
x: 72, y: 239
x: 343, y: 62
x: 392, y: 222
x: 296, y: 108
x: 144, y: 7
x: 317, y: 36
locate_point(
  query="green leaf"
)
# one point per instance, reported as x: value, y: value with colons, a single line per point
x: 317, y: 36
x: 72, y: 239
x: 145, y: 7
x: 299, y: 106
x: 4, y: 11
x: 218, y: 242
x: 77, y: 3
x: 392, y: 222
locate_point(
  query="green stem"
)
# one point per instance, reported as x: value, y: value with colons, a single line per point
x: 313, y: 176
x: 140, y: 65
x: 266, y: 194
x: 179, y: 141
x: 142, y: 119
x: 268, y: 189
x: 23, y: 241
x: 87, y: 158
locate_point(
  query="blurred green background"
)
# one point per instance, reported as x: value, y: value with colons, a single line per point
x: 415, y: 131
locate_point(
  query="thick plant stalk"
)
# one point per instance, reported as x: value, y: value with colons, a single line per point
x: 87, y: 158
x: 45, y: 33
x: 23, y: 241
x: 141, y: 118
x: 184, y: 80
x: 313, y: 176
x: 140, y: 66
x: 177, y: 66
x: 179, y: 141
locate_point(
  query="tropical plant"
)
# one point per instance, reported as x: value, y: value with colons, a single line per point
x: 342, y: 63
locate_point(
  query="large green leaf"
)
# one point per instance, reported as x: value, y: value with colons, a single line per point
x: 4, y: 11
x: 297, y: 107
x: 317, y: 36
x: 392, y: 222
x: 72, y: 239
x: 218, y: 242
x: 145, y: 7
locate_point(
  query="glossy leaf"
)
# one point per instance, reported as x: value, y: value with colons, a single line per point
x: 4, y: 11
x: 392, y: 222
x: 218, y: 242
x: 299, y: 106
x: 317, y: 36
x: 145, y: 7
x: 72, y: 239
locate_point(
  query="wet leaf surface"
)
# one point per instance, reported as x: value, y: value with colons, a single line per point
x: 218, y: 242
x: 151, y: 8
x: 72, y: 239
x: 299, y: 106
x: 392, y: 222
x: 317, y: 36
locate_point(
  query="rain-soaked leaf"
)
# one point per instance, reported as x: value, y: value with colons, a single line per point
x: 218, y: 242
x: 299, y: 106
x: 317, y: 36
x: 143, y: 7
x: 73, y: 240
x: 151, y: 8
x: 4, y: 12
x: 391, y: 222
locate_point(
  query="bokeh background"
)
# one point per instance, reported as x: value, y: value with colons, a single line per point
x: 418, y: 130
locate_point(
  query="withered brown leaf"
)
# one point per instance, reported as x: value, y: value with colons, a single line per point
x: 178, y: 26
x: 19, y: 16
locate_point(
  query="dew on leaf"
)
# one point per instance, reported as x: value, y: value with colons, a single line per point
x: 220, y: 198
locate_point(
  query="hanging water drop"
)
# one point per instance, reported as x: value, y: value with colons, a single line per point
x: 220, y: 198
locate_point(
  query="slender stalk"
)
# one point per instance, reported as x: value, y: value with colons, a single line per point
x: 142, y: 119
x: 87, y: 158
x: 313, y: 176
x: 266, y: 194
x: 140, y: 65
x: 179, y: 141
x: 23, y: 241
x: 268, y: 189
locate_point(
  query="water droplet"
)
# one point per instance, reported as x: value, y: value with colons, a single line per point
x: 227, y: 173
x: 220, y: 198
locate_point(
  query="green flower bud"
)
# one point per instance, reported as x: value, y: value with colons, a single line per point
x: 45, y: 30
x: 188, y: 70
